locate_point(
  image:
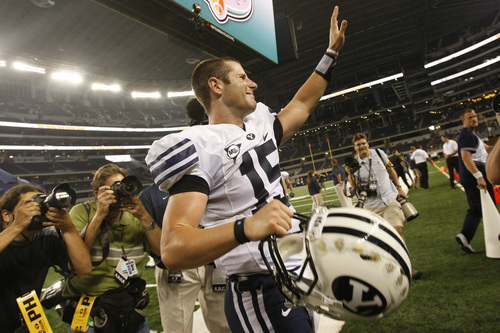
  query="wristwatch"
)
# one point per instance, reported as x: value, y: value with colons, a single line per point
x: 151, y: 226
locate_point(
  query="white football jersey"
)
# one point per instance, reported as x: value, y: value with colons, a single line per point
x: 241, y: 168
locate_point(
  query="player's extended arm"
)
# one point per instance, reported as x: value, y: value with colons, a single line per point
x: 184, y: 245
x: 304, y: 102
x: 471, y: 166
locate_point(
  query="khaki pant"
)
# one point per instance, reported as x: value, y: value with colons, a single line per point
x: 345, y: 201
x: 392, y: 213
x: 177, y: 300
x: 317, y: 200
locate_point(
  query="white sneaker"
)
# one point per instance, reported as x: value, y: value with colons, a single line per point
x: 464, y: 243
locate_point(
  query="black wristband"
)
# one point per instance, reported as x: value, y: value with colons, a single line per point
x: 239, y: 232
x: 325, y: 66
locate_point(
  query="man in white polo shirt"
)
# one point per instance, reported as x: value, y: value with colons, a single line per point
x: 421, y: 157
x: 450, y: 151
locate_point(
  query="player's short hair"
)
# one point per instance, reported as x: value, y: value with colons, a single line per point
x: 358, y: 136
x: 206, y: 69
x: 104, y: 172
x: 467, y: 110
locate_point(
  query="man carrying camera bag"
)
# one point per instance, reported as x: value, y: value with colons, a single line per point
x: 119, y: 232
x: 26, y: 255
x: 373, y: 177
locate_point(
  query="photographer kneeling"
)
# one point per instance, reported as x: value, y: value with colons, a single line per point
x: 377, y: 184
x: 30, y: 245
x: 120, y: 233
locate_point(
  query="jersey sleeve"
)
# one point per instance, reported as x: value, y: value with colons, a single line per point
x: 469, y: 142
x: 170, y: 158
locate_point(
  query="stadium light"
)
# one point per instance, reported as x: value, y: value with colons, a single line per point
x: 90, y: 128
x: 462, y: 52
x: 70, y: 77
x: 138, y: 94
x: 3, y: 63
x: 488, y: 62
x: 27, y: 68
x: 118, y: 158
x: 106, y: 87
x: 66, y: 148
x: 180, y: 93
x: 362, y: 86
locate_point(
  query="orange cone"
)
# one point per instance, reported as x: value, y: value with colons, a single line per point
x: 497, y: 194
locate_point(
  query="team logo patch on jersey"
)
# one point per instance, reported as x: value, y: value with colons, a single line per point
x: 233, y: 151
x: 250, y: 136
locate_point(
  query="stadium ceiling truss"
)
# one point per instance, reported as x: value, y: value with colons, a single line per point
x: 135, y: 40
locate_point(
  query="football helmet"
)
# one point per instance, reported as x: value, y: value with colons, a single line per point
x: 355, y: 265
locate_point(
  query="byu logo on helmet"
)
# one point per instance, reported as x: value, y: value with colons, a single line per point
x: 359, y: 296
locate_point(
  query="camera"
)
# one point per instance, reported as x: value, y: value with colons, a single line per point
x: 496, y: 103
x: 352, y: 163
x: 129, y: 186
x: 62, y: 196
x: 408, y: 209
x: 196, y: 9
x: 364, y: 191
x: 361, y: 199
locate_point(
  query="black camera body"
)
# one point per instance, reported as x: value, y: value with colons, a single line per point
x: 62, y: 196
x: 364, y: 191
x: 129, y: 186
x: 352, y: 163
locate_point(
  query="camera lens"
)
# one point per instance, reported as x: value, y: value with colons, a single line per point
x: 63, y: 199
x: 496, y: 103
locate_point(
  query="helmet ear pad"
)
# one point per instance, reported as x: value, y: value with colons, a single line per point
x: 290, y: 245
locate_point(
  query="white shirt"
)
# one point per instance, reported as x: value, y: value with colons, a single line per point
x: 420, y: 156
x: 450, y: 147
x: 373, y: 170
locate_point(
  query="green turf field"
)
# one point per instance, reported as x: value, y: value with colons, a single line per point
x: 458, y: 292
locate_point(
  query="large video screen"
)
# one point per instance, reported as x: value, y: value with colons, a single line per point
x: 249, y: 21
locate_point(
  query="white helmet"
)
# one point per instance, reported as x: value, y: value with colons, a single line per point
x: 355, y: 266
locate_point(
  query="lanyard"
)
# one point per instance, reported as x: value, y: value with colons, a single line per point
x: 121, y: 240
x: 369, y: 171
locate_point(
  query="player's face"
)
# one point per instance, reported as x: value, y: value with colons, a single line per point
x: 238, y: 94
x: 470, y: 120
x: 362, y: 148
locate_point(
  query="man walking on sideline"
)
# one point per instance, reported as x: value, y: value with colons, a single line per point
x: 472, y: 159
x: 450, y: 151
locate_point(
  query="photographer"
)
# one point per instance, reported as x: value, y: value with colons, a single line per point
x: 26, y: 255
x: 377, y: 184
x: 119, y: 232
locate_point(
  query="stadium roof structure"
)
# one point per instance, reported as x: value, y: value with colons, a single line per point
x: 129, y: 40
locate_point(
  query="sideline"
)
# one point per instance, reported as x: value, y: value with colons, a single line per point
x: 457, y: 184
